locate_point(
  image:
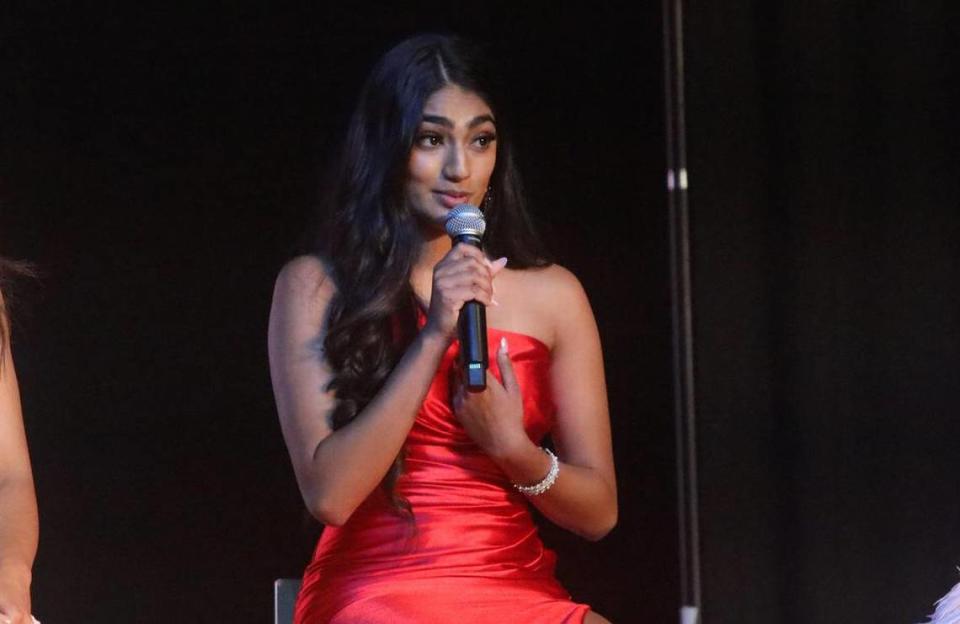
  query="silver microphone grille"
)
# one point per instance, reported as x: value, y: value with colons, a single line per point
x: 465, y: 219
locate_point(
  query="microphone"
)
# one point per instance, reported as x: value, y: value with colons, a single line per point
x: 465, y: 224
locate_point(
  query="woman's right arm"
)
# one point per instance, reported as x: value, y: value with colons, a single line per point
x: 337, y: 470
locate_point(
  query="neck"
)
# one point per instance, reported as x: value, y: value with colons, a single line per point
x: 435, y: 244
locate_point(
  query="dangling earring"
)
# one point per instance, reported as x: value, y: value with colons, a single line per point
x: 488, y: 199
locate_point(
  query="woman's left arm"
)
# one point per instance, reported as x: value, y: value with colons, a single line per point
x: 583, y: 499
x: 18, y: 504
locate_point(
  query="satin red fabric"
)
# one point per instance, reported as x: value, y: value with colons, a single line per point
x: 471, y: 553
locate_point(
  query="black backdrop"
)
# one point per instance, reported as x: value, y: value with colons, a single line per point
x: 158, y: 164
x: 826, y: 191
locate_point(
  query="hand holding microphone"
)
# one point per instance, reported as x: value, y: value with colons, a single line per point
x: 462, y: 287
x: 465, y: 225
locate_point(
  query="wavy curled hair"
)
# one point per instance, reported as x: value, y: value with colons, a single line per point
x: 9, y: 271
x: 369, y: 238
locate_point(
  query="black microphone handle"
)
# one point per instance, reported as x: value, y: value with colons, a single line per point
x: 472, y: 332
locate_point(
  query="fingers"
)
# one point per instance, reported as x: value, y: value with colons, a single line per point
x: 467, y: 278
x: 454, y: 298
x: 469, y: 284
x: 452, y: 266
x: 458, y: 399
x: 464, y: 274
x: 506, y: 367
x: 468, y: 264
x: 497, y: 265
x: 493, y: 384
x: 462, y: 250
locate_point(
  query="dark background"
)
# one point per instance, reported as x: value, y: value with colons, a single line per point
x: 158, y: 166
x: 825, y: 189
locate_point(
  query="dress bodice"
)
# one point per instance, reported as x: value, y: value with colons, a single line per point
x: 470, y: 531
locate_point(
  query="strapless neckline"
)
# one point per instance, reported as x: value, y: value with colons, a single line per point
x: 540, y: 344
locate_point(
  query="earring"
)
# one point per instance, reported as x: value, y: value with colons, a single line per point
x: 488, y: 199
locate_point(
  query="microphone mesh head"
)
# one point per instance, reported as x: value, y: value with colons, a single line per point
x: 465, y: 219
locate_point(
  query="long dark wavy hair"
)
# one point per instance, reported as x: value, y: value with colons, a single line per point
x: 9, y: 271
x: 369, y: 239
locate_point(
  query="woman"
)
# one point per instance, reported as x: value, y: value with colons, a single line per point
x: 422, y: 485
x: 18, y: 504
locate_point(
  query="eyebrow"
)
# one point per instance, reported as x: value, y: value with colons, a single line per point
x: 446, y: 123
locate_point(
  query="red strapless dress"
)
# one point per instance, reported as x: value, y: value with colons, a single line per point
x: 471, y: 554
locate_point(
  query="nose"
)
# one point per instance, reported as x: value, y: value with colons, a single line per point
x: 456, y: 166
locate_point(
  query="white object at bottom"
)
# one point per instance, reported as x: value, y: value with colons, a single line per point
x: 689, y: 615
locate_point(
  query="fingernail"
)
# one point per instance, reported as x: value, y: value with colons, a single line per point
x: 503, y: 344
x: 502, y: 261
x: 494, y: 302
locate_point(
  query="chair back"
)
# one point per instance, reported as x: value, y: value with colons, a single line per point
x: 284, y: 597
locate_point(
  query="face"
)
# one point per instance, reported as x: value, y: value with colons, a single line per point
x: 453, y: 154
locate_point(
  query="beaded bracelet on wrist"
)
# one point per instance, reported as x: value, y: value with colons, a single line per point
x: 539, y: 488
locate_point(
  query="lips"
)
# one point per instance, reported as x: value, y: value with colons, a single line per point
x: 451, y: 199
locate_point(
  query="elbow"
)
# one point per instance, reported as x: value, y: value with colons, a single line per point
x: 601, y: 527
x: 328, y: 515
x: 327, y: 509
x: 325, y: 498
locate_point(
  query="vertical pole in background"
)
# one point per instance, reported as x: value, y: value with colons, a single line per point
x: 684, y: 396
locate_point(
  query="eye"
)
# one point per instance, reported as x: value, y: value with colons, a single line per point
x: 485, y: 140
x: 429, y: 139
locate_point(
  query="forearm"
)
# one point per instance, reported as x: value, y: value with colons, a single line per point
x: 581, y: 500
x: 18, y: 526
x: 18, y: 502
x: 349, y: 463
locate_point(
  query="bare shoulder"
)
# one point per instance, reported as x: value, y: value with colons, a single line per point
x: 306, y: 271
x: 543, y: 301
x: 551, y: 285
x: 305, y: 279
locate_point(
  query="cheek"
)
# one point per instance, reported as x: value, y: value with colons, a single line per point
x: 489, y: 162
x: 422, y: 167
x: 482, y: 181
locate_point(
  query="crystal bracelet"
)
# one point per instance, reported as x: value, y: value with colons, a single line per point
x: 539, y: 488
